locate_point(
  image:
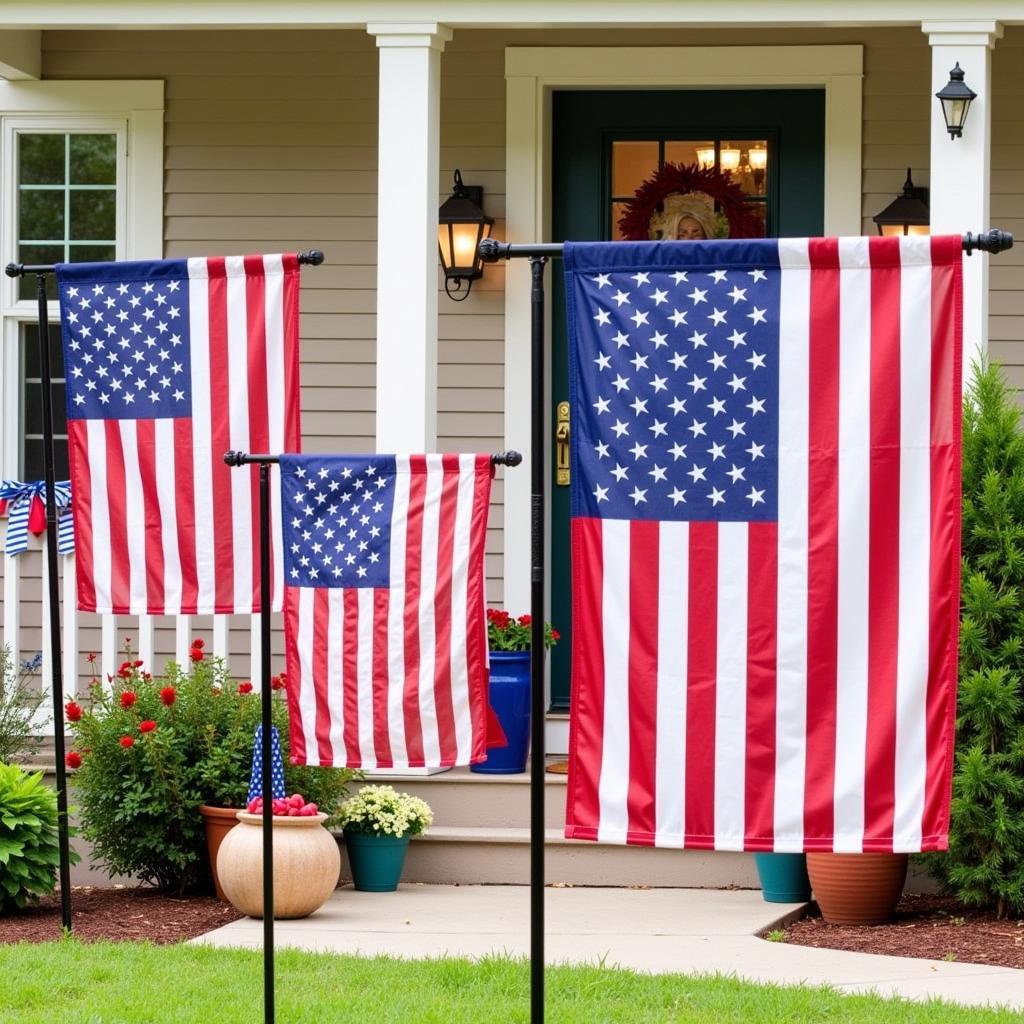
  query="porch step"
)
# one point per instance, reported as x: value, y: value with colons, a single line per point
x: 475, y: 856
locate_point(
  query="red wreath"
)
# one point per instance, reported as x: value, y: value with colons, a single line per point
x: 729, y: 199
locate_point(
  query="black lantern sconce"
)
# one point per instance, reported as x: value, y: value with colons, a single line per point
x: 907, y: 214
x: 955, y: 97
x: 462, y: 226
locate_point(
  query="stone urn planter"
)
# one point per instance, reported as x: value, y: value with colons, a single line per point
x: 306, y: 865
x: 218, y: 822
x: 857, y: 888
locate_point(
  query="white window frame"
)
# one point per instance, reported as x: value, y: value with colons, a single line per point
x: 134, y: 111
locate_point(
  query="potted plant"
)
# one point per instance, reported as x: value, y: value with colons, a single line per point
x: 378, y: 823
x: 155, y: 749
x: 509, y: 688
x: 306, y: 859
x: 857, y: 888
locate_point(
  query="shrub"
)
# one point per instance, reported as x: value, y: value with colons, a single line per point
x: 154, y: 749
x: 381, y: 810
x: 20, y: 707
x: 985, y: 863
x: 29, y: 853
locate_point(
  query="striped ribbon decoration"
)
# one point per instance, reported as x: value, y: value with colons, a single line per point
x: 19, y: 497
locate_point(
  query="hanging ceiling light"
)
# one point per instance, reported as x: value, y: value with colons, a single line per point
x: 729, y: 159
x: 462, y: 226
x: 907, y: 214
x: 706, y: 157
x: 955, y: 97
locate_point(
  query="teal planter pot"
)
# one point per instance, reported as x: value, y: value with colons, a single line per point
x: 376, y: 861
x: 783, y: 877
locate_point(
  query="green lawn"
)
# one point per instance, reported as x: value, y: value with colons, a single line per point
x: 125, y: 983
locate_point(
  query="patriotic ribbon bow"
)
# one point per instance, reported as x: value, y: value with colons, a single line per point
x: 25, y: 506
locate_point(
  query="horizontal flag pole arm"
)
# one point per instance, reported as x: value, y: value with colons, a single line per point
x: 311, y: 257
x: 491, y: 250
x: 233, y: 458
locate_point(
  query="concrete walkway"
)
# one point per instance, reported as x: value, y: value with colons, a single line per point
x: 661, y: 930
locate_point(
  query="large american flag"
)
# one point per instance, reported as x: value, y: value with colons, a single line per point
x: 765, y: 540
x: 385, y: 635
x: 169, y: 364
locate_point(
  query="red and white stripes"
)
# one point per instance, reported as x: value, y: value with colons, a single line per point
x: 397, y: 676
x: 163, y: 525
x: 791, y: 686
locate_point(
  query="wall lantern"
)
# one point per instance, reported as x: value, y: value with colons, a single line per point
x: 907, y: 214
x: 462, y: 226
x: 955, y: 97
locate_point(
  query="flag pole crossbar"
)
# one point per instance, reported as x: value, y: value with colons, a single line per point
x: 310, y: 257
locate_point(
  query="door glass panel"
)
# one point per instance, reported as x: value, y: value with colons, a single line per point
x: 632, y: 162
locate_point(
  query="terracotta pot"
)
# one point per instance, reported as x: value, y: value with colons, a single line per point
x: 857, y: 888
x: 218, y: 821
x: 307, y: 863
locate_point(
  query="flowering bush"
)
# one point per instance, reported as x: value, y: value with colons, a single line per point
x: 21, y: 707
x: 505, y: 633
x: 149, y: 751
x: 382, y: 811
x: 28, y: 838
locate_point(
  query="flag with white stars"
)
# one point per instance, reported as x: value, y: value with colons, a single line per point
x: 385, y: 633
x: 765, y: 457
x: 277, y: 789
x: 169, y: 364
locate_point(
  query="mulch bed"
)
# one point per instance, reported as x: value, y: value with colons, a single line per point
x: 931, y: 927
x: 119, y: 914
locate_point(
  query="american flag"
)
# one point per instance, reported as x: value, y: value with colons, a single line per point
x: 765, y: 531
x: 385, y: 635
x: 169, y: 364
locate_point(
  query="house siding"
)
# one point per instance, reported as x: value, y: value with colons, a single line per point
x: 271, y: 144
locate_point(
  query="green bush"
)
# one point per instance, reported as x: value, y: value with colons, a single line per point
x: 29, y: 854
x: 20, y: 707
x: 149, y: 751
x: 985, y: 863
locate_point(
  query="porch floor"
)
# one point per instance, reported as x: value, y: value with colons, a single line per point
x: 690, y: 931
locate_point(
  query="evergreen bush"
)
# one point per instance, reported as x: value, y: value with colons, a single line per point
x: 985, y: 863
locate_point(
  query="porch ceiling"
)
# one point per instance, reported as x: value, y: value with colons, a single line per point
x: 114, y: 14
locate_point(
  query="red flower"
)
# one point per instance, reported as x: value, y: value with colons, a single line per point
x: 245, y: 687
x: 196, y: 654
x: 73, y: 759
x: 168, y: 695
x: 147, y: 726
x: 148, y: 676
x: 127, y: 741
x: 137, y: 664
x: 525, y: 620
x: 91, y: 657
x: 555, y: 635
x: 199, y: 643
x: 128, y: 698
x: 73, y: 711
x: 125, y: 671
x: 277, y: 682
x: 500, y: 619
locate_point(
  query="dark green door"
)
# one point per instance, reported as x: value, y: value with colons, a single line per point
x: 605, y: 145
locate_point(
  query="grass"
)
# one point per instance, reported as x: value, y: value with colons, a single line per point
x: 104, y: 983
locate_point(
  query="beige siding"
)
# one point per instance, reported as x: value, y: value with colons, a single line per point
x: 271, y: 144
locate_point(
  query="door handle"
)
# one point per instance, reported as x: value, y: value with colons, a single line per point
x: 562, y: 444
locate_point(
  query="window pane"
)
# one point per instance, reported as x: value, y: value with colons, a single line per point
x: 632, y: 162
x: 41, y: 159
x: 32, y: 463
x: 747, y: 161
x: 618, y: 209
x: 91, y: 253
x: 685, y: 151
x: 38, y: 254
x: 33, y: 396
x: 30, y: 351
x: 93, y: 160
x: 92, y: 214
x: 41, y: 214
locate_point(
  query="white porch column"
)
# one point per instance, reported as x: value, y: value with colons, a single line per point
x: 408, y: 190
x: 961, y: 168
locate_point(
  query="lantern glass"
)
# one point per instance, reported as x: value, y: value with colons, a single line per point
x: 730, y: 159
x: 955, y: 113
x: 956, y: 96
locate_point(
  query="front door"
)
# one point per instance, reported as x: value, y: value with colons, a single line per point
x: 606, y: 144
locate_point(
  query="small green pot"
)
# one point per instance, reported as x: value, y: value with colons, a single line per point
x: 376, y: 861
x: 783, y: 877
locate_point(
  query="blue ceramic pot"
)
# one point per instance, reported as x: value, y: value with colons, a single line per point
x: 509, y: 693
x: 783, y: 877
x: 376, y: 861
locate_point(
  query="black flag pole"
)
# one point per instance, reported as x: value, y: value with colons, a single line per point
x: 312, y: 257
x: 491, y: 251
x: 233, y: 458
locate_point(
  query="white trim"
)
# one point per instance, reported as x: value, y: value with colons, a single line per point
x: 532, y: 74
